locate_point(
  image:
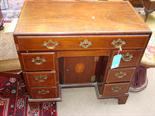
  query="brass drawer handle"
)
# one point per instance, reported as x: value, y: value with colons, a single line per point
x: 38, y: 60
x: 43, y: 92
x: 120, y: 74
x: 41, y: 78
x: 50, y: 44
x: 85, y: 43
x: 118, y: 43
x: 127, y: 57
x: 115, y: 89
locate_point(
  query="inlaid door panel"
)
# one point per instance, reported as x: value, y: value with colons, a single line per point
x: 79, y: 70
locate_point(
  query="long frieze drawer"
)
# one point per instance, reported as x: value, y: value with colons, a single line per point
x: 37, y: 43
x: 120, y: 75
x: 43, y: 93
x: 37, y: 61
x: 44, y: 79
x: 129, y: 57
x: 115, y: 89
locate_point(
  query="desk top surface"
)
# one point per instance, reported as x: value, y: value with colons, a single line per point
x: 51, y: 17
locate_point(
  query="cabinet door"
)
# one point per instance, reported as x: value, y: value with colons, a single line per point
x: 79, y: 70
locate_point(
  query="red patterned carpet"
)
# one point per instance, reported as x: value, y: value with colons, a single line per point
x: 14, y: 101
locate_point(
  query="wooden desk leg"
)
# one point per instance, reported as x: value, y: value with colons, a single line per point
x: 122, y: 99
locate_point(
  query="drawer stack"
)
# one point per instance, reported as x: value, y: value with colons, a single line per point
x: 40, y: 74
x: 117, y: 80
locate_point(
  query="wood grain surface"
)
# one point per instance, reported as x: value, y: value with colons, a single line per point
x: 51, y: 17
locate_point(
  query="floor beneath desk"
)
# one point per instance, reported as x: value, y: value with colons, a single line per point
x: 83, y: 102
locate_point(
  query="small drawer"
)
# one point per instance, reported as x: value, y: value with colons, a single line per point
x: 47, y: 43
x: 115, y: 89
x: 120, y: 75
x: 42, y: 93
x: 129, y: 57
x: 37, y: 61
x: 44, y: 79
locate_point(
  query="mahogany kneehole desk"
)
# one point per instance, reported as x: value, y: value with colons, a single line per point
x: 72, y: 44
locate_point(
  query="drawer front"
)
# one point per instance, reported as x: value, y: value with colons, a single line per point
x: 43, y: 79
x: 120, y: 75
x: 34, y: 43
x: 37, y: 61
x: 115, y: 89
x: 42, y: 93
x: 129, y: 57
